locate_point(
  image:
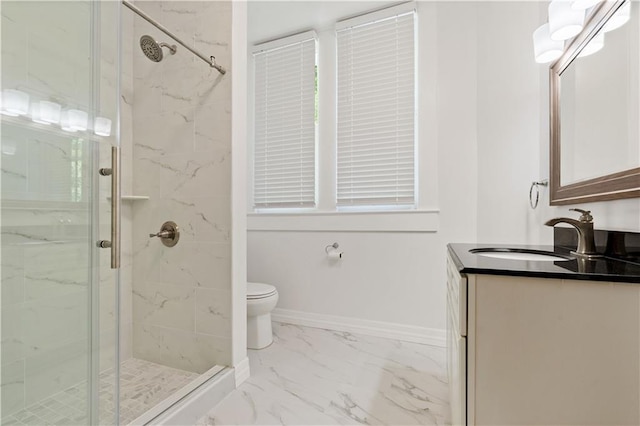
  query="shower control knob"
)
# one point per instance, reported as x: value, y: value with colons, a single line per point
x: 169, y: 234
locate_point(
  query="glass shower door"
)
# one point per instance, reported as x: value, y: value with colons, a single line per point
x: 58, y: 298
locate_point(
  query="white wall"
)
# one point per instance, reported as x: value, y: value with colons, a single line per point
x: 484, y: 118
x: 509, y: 93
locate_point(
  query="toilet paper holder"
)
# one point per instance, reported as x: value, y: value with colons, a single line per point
x: 332, y: 251
x: 333, y: 246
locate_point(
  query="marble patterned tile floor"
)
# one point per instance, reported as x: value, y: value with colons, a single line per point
x: 310, y: 376
x: 143, y: 384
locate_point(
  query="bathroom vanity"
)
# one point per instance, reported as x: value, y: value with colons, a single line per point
x: 542, y: 342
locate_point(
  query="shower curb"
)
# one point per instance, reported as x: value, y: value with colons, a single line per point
x: 196, y: 404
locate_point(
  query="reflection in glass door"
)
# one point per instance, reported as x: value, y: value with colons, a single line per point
x: 59, y: 310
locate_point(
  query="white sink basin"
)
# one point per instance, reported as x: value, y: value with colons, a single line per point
x: 519, y: 254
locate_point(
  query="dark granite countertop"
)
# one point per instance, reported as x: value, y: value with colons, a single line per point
x: 600, y: 269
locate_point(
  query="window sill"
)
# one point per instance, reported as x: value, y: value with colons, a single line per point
x: 384, y: 221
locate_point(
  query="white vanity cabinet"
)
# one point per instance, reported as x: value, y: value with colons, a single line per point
x: 538, y: 351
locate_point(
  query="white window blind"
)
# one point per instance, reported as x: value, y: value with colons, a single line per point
x: 376, y: 111
x: 285, y: 141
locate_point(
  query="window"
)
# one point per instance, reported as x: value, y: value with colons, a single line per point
x: 361, y: 152
x: 376, y: 77
x: 285, y: 114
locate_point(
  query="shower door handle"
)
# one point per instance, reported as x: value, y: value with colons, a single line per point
x: 114, y: 172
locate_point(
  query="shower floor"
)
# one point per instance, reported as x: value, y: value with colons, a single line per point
x: 143, y: 384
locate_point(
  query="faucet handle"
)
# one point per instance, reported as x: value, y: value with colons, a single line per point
x: 585, y: 216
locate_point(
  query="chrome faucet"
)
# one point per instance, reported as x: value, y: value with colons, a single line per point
x: 584, y: 226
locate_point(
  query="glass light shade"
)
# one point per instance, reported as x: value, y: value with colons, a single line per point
x: 595, y: 44
x: 544, y: 48
x: 9, y: 146
x: 15, y: 102
x: 45, y: 112
x: 76, y: 120
x: 583, y: 4
x: 65, y: 123
x: 50, y: 112
x: 619, y: 18
x: 102, y: 126
x: 35, y: 113
x: 564, y: 22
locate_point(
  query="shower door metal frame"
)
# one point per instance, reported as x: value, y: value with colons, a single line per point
x: 97, y: 179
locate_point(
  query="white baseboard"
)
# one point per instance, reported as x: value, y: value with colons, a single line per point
x: 242, y: 371
x: 406, y: 333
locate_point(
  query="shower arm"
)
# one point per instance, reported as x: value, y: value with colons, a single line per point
x: 211, y: 60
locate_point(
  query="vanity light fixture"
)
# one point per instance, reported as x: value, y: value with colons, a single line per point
x: 45, y: 112
x: 619, y: 18
x: 564, y: 22
x: 545, y: 49
x: 583, y: 4
x: 102, y: 126
x: 14, y: 102
x: 595, y: 44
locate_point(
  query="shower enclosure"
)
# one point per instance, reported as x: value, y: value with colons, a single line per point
x: 101, y: 323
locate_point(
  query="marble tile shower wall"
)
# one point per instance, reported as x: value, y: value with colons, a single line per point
x: 182, y: 161
x: 46, y: 215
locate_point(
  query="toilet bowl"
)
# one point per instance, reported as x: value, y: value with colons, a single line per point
x: 261, y: 299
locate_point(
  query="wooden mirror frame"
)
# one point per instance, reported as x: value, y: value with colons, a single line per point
x: 615, y: 186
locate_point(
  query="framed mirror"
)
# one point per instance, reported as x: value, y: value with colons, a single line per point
x: 595, y: 109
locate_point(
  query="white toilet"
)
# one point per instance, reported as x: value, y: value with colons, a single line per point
x: 261, y: 299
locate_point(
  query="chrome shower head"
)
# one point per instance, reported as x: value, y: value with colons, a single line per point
x: 153, y: 50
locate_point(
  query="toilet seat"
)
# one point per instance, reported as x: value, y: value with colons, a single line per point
x: 260, y: 291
